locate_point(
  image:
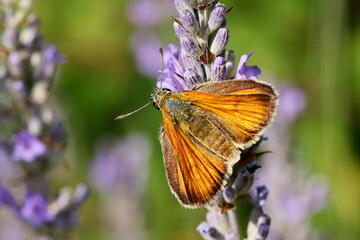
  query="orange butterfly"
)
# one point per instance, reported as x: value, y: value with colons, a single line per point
x: 204, y: 131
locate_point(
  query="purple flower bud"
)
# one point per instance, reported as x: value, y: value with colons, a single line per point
x: 15, y: 64
x: 252, y: 167
x: 262, y: 193
x: 259, y: 225
x: 18, y: 89
x: 192, y: 77
x: 208, y: 232
x: 219, y: 43
x: 243, y: 182
x: 217, y: 17
x: 51, y: 57
x: 80, y: 194
x: 189, y: 21
x: 179, y: 30
x: 230, y: 63
x: 182, y: 5
x: 30, y: 33
x: 27, y: 147
x: 10, y: 38
x: 35, y: 210
x: 190, y: 45
x: 229, y: 194
x: 230, y: 56
x: 264, y: 226
x: 245, y: 72
x: 218, y: 71
x: 191, y: 63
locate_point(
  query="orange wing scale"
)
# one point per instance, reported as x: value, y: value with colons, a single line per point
x: 243, y: 116
x: 197, y: 175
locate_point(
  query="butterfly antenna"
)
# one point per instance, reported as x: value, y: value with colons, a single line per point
x: 162, y: 66
x: 130, y: 113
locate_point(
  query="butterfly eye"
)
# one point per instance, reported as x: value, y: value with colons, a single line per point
x: 156, y: 106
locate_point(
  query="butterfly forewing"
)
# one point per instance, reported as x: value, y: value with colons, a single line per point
x: 242, y: 117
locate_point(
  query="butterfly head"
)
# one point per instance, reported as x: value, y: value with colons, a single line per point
x: 159, y: 96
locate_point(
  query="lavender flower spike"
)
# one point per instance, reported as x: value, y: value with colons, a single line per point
x: 33, y: 139
x: 201, y: 28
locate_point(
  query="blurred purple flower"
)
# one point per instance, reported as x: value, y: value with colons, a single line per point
x: 16, y: 63
x: 245, y: 72
x: 121, y: 164
x: 295, y: 194
x: 146, y: 46
x: 7, y: 199
x: 35, y: 210
x: 26, y: 81
x: 27, y: 147
x: 292, y: 102
x: 145, y: 13
x: 52, y: 55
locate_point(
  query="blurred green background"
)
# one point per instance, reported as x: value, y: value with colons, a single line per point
x: 313, y: 44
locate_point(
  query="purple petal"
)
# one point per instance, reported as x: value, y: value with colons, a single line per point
x: 27, y: 147
x: 7, y: 199
x: 169, y: 80
x: 52, y: 55
x: 245, y: 72
x: 35, y: 210
x: 120, y: 164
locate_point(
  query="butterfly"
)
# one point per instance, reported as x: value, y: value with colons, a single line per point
x: 204, y: 131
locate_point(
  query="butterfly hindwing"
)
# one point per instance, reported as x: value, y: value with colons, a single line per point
x: 195, y: 174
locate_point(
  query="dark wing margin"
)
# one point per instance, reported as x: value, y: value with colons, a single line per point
x: 234, y: 86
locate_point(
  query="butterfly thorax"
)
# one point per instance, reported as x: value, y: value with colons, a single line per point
x: 173, y: 106
x: 159, y: 97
